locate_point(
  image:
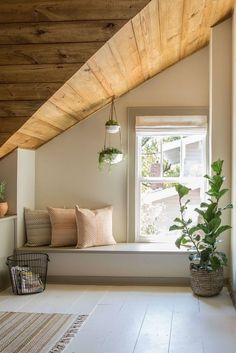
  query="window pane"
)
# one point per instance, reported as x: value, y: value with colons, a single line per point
x: 171, y: 147
x: 159, y: 207
x: 150, y: 156
x: 193, y: 155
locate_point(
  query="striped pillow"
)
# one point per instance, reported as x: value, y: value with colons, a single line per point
x: 38, y: 227
x: 94, y: 227
x: 64, y: 232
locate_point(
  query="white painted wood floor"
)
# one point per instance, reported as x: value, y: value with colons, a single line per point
x: 137, y: 319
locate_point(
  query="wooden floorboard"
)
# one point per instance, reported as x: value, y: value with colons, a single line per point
x: 138, y: 319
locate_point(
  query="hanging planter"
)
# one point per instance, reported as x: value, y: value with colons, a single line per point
x: 109, y: 156
x: 112, y: 126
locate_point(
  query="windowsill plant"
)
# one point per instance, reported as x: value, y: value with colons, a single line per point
x: 206, y: 261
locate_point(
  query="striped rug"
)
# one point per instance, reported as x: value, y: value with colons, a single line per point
x: 37, y: 333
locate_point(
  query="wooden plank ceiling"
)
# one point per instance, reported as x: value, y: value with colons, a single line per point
x: 48, y: 46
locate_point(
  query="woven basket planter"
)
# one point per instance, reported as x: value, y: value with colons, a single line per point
x: 206, y: 283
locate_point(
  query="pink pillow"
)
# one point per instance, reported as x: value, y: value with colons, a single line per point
x: 64, y: 232
x: 94, y: 227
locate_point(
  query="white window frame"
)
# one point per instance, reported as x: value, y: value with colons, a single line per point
x: 139, y: 179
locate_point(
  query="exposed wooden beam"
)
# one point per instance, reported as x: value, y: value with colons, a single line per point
x: 163, y: 33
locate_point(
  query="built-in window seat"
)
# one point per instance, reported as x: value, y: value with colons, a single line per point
x: 123, y: 263
x: 117, y: 248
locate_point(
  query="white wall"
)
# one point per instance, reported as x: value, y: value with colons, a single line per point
x: 220, y: 108
x: 8, y: 172
x: 7, y: 231
x: 233, y: 214
x: 18, y: 170
x: 25, y: 189
x: 67, y: 169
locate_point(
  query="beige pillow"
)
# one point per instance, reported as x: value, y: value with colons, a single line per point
x: 94, y: 227
x: 38, y: 227
x: 64, y: 232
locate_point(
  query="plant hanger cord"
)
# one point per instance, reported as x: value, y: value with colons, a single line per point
x: 111, y: 114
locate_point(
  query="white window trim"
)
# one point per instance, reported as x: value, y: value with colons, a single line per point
x: 132, y: 113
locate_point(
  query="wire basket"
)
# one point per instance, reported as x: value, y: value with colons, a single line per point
x: 28, y: 272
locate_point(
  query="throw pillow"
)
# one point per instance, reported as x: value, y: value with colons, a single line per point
x: 94, y: 227
x: 38, y: 227
x: 64, y: 232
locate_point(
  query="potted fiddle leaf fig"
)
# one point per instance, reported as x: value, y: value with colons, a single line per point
x: 206, y: 261
x: 109, y: 155
x: 3, y: 203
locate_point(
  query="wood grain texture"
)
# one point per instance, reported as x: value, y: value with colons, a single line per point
x: 160, y: 35
x: 11, y: 124
x: 42, y: 44
x: 59, y: 32
x: 19, y: 108
x: 68, y: 10
x: 45, y: 73
x: 47, y: 53
x: 27, y: 91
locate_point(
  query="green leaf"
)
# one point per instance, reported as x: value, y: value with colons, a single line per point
x: 222, y: 229
x: 227, y: 206
x: 197, y: 237
x: 178, y: 220
x: 204, y: 205
x: 205, y: 254
x: 182, y: 190
x: 214, y: 224
x: 175, y: 227
x: 217, y: 166
x: 194, y: 229
x: 215, y: 262
x: 222, y: 192
x: 178, y: 242
x: 222, y: 256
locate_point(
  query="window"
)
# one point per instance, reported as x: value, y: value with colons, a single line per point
x: 166, y: 155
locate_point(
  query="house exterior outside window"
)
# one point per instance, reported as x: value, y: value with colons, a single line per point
x: 168, y: 150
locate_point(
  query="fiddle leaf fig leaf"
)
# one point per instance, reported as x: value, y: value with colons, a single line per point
x: 222, y: 229
x: 217, y: 166
x: 175, y: 227
x: 182, y: 190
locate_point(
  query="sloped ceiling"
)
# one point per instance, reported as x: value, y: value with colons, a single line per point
x: 160, y: 35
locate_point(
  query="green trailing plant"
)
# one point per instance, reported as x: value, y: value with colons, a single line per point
x: 2, y: 191
x: 204, y: 237
x: 108, y: 156
x: 112, y: 122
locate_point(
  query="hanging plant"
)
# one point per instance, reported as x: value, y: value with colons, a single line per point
x: 109, y: 156
x: 112, y: 126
